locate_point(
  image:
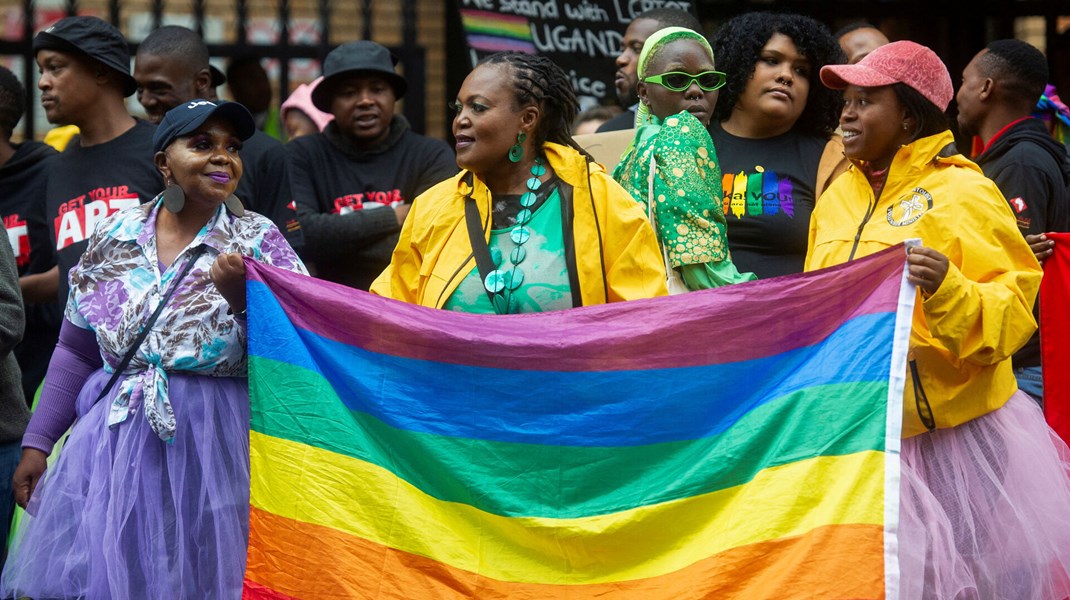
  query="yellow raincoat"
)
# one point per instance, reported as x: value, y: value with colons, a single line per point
x: 616, y: 251
x: 963, y: 336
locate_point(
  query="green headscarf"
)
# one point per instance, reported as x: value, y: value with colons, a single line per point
x: 650, y: 48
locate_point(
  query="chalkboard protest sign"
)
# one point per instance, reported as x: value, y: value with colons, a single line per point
x: 582, y: 36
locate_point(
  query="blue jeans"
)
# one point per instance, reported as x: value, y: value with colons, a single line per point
x: 1031, y: 381
x: 10, y: 454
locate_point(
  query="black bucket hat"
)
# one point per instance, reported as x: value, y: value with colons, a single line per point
x: 92, y: 37
x: 184, y: 119
x: 353, y: 58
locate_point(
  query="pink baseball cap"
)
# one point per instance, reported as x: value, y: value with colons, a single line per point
x: 899, y: 62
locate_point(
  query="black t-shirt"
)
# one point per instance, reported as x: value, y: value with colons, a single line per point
x: 87, y: 184
x: 22, y: 187
x: 343, y: 195
x: 263, y: 187
x: 768, y: 187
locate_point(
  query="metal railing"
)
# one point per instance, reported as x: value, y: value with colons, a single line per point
x: 412, y: 56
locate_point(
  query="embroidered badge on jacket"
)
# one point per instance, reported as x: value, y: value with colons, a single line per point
x: 910, y: 208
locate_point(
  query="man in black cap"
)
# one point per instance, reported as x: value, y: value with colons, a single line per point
x: 171, y: 68
x: 85, y: 77
x: 352, y: 182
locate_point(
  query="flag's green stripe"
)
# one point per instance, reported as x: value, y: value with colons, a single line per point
x: 513, y: 479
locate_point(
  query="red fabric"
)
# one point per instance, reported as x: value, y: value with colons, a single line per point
x: 1055, y: 335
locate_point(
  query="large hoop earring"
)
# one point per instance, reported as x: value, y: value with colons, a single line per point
x: 516, y: 151
x: 234, y: 205
x: 174, y: 199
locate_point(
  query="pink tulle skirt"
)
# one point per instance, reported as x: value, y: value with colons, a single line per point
x: 985, y: 509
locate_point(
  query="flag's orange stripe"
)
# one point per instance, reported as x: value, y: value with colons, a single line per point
x: 310, y: 561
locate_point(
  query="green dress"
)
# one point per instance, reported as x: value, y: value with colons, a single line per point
x: 687, y: 197
x: 546, y: 282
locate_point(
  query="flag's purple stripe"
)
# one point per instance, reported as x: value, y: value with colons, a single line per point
x: 777, y: 315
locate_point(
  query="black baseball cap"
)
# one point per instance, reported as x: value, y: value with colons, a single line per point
x: 353, y: 58
x: 184, y: 119
x: 92, y: 37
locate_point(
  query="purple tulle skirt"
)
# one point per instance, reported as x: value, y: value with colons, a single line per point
x: 985, y: 509
x: 123, y: 514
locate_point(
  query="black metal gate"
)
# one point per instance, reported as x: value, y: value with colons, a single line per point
x: 412, y: 56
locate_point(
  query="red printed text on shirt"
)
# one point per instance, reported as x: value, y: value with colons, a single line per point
x: 351, y: 202
x: 78, y: 217
x: 19, y: 236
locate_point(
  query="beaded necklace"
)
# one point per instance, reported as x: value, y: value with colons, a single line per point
x: 502, y: 282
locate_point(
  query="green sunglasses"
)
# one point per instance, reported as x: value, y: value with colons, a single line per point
x: 679, y: 82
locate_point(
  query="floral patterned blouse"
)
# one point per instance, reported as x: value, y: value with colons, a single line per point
x: 119, y: 282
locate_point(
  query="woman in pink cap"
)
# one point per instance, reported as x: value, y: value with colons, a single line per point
x: 985, y: 485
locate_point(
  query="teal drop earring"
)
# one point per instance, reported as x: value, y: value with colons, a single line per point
x: 516, y: 151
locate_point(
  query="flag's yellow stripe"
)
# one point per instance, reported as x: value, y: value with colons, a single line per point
x: 290, y: 559
x: 311, y: 485
x: 496, y: 27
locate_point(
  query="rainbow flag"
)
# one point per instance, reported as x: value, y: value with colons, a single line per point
x: 491, y: 32
x: 733, y: 443
x: 1051, y: 109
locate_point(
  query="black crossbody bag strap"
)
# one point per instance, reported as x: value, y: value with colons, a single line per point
x: 564, y: 191
x: 148, y: 324
x: 480, y: 250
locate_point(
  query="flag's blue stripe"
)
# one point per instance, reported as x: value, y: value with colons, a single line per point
x: 625, y: 407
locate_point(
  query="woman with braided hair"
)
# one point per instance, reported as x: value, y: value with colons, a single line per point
x: 671, y: 166
x: 531, y: 224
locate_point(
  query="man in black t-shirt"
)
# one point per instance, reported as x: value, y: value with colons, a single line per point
x: 85, y: 76
x: 22, y: 186
x: 171, y: 68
